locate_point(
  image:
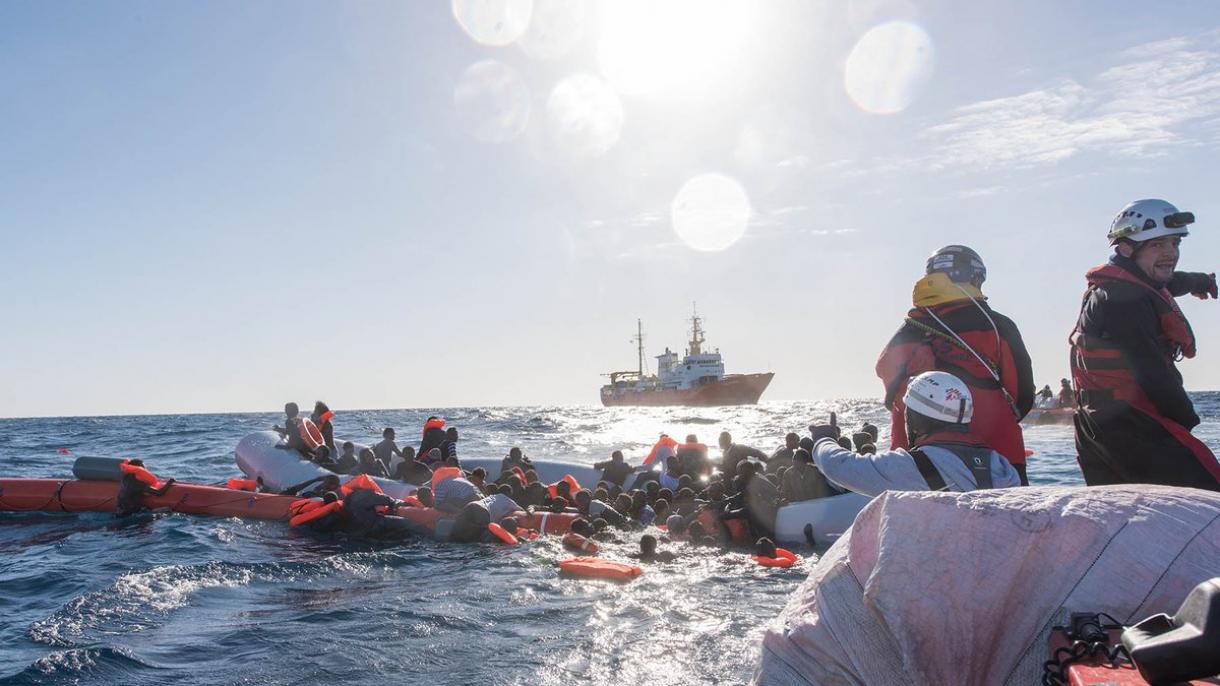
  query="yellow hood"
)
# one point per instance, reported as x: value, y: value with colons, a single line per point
x: 936, y: 289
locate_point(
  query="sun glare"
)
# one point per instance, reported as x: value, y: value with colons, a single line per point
x: 710, y: 212
x: 645, y: 47
x: 888, y: 66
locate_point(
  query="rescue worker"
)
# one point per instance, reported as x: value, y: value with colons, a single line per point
x: 953, y: 329
x: 1133, y: 417
x: 946, y: 455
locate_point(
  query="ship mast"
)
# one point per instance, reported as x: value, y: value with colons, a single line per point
x: 696, y: 332
x: 638, y: 339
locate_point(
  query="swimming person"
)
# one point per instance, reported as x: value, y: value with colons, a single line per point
x: 136, y: 483
x: 945, y: 454
x: 952, y: 328
x: 1134, y: 417
x: 649, y: 553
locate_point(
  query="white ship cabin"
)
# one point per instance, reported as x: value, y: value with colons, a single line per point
x: 694, y: 370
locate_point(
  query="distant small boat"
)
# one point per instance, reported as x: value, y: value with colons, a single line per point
x: 1047, y: 416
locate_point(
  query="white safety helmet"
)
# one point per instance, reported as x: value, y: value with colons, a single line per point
x: 1144, y: 220
x: 940, y: 396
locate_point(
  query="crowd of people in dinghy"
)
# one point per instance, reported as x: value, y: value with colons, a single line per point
x: 729, y: 501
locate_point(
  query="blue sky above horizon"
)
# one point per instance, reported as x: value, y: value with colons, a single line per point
x: 224, y: 205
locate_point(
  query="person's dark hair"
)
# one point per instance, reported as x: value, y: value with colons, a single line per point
x: 514, y: 453
x: 470, y: 523
x: 779, y: 473
x: 367, y: 454
x: 870, y: 429
x: 638, y: 499
x: 479, y: 473
x: 685, y: 494
x: 695, y: 530
x: 330, y: 497
x: 648, y: 544
x: 451, y: 433
x: 349, y: 445
x: 425, y: 496
x: 320, y: 407
x: 583, y: 497
x: 559, y: 504
x: 509, y: 524
x: 408, y: 452
x: 652, y: 488
x: 792, y: 440
x: 330, y: 482
x: 868, y: 449
x: 387, y: 432
x: 661, y: 507
x: 807, y: 444
x: 725, y: 438
x: 666, y: 494
x: 563, y: 488
x: 136, y: 462
x: 685, y: 481
x: 764, y: 547
x: 692, y: 438
x: 601, y: 494
x: 600, y: 524
x: 845, y: 442
x: 505, y: 489
x: 582, y: 527
x: 716, y: 491
x: 617, y: 456
x: 615, y: 490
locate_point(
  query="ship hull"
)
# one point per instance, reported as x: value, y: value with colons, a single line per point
x: 734, y: 389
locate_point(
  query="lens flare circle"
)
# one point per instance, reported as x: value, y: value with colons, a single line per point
x: 584, y: 117
x: 555, y: 28
x: 492, y: 102
x: 493, y: 22
x: 888, y: 67
x: 710, y: 212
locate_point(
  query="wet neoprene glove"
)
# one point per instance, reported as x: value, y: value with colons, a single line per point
x: 828, y: 430
x: 1198, y: 284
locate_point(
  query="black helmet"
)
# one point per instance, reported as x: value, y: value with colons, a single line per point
x: 962, y: 264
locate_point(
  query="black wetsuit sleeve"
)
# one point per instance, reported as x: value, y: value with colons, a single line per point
x: 149, y: 490
x: 1020, y: 360
x: 295, y: 488
x: 1134, y: 327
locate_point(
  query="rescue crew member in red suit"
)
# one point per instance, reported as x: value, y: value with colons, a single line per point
x: 953, y: 329
x: 1133, y: 418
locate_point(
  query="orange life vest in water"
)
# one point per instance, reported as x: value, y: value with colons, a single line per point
x: 141, y: 474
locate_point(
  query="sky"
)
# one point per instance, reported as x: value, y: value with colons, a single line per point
x: 221, y: 206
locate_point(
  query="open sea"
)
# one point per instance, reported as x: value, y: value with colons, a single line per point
x: 161, y: 599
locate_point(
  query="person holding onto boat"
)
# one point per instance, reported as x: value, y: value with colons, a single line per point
x: 1133, y: 418
x: 302, y: 435
x: 434, y: 436
x: 733, y: 454
x: 616, y: 469
x: 946, y: 455
x: 952, y: 328
x: 136, y: 483
x: 321, y: 485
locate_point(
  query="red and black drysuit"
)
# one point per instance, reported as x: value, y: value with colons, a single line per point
x: 922, y: 345
x: 1134, y: 418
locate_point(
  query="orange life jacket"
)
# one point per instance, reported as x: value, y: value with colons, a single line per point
x: 141, y: 474
x: 598, y: 568
x: 242, y: 484
x: 437, y: 423
x: 445, y: 473
x: 577, y: 542
x: 548, y: 522
x: 362, y: 481
x: 663, y: 441
x: 502, y: 534
x: 553, y: 489
x: 315, y: 513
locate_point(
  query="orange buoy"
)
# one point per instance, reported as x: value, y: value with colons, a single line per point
x: 783, y: 558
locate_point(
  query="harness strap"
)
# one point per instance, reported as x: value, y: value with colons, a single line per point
x: 928, y: 471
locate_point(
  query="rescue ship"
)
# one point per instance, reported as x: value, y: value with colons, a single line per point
x: 698, y: 379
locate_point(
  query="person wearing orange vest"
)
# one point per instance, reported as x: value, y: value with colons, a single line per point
x: 321, y: 418
x: 1133, y: 416
x: 136, y: 483
x: 302, y: 435
x: 953, y: 329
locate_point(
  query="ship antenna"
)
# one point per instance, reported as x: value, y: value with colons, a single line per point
x: 696, y: 332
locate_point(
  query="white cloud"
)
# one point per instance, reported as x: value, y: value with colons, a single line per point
x: 1158, y: 96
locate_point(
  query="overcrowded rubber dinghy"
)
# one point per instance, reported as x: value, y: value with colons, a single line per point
x: 258, y: 456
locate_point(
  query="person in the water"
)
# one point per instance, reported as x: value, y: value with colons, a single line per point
x: 650, y: 553
x: 136, y: 483
x: 1134, y: 417
x: 944, y: 454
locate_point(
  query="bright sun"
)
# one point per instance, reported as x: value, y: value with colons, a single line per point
x: 651, y: 46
